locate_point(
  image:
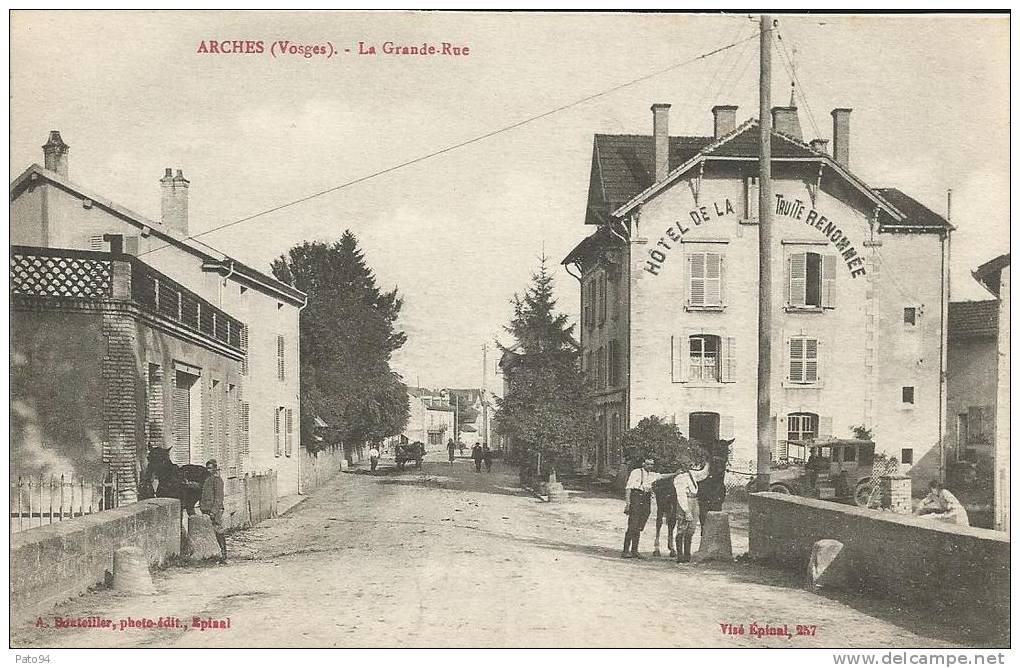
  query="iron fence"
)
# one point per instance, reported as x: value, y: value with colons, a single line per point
x: 39, y: 500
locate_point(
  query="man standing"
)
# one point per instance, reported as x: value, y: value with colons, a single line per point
x: 211, y: 504
x: 687, y: 513
x: 487, y: 457
x: 638, y: 497
x: 476, y: 454
x: 373, y: 456
x: 451, y: 447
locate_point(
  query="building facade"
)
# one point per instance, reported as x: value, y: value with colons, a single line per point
x: 243, y: 409
x: 430, y: 419
x: 669, y: 293
x: 977, y: 433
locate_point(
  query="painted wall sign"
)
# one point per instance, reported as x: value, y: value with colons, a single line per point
x: 798, y: 211
x: 675, y: 232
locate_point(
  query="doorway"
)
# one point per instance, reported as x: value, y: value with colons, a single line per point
x: 187, y: 417
x: 703, y: 427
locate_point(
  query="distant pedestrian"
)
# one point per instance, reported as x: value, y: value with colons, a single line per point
x: 487, y: 458
x: 211, y: 504
x: 452, y: 447
x: 373, y: 457
x: 476, y: 454
x: 460, y: 446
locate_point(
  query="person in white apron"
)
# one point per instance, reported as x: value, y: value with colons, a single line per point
x: 686, y: 486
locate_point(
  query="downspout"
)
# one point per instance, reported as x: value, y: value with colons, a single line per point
x: 300, y: 466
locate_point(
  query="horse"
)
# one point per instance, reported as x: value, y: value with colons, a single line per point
x: 711, y: 493
x: 173, y: 481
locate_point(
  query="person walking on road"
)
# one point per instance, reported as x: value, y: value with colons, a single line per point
x: 638, y: 504
x: 373, y: 457
x: 451, y: 447
x: 487, y: 458
x: 476, y: 454
x: 211, y: 504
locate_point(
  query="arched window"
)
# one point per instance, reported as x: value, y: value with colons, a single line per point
x: 704, y: 357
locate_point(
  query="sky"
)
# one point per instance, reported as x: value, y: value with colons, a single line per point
x: 460, y: 233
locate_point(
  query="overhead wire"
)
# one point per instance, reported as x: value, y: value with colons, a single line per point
x: 459, y: 145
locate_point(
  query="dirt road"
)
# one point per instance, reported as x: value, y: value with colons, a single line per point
x: 450, y: 557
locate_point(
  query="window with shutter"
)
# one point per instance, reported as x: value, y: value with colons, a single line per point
x: 811, y: 280
x: 704, y: 358
x: 801, y: 427
x: 713, y: 279
x: 245, y: 427
x: 281, y: 369
x: 276, y: 430
x: 803, y: 359
x: 797, y: 283
x: 289, y: 444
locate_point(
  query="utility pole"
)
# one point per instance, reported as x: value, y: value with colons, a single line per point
x: 765, y: 256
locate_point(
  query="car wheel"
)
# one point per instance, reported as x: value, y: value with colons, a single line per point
x: 779, y: 488
x: 863, y: 493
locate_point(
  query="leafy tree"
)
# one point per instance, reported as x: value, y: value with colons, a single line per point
x: 547, y: 407
x: 662, y: 441
x: 348, y: 334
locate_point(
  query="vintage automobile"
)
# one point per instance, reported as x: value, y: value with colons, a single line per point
x: 835, y: 469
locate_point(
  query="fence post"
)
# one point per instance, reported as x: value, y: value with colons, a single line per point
x: 61, y: 497
x: 51, y: 498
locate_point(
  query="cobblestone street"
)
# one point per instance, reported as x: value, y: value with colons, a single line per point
x: 447, y: 557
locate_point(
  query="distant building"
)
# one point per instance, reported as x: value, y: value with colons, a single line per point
x: 669, y: 293
x: 430, y: 420
x: 127, y: 334
x: 978, y: 395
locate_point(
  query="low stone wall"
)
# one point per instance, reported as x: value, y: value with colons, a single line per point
x: 54, y: 563
x: 249, y: 500
x: 921, y: 561
x: 320, y: 467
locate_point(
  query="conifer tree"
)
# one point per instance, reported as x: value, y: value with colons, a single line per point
x: 547, y: 407
x: 348, y: 334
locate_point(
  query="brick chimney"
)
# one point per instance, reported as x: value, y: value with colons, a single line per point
x: 725, y: 116
x: 55, y: 153
x: 820, y: 145
x: 174, y: 207
x: 786, y: 121
x: 841, y: 136
x: 660, y: 131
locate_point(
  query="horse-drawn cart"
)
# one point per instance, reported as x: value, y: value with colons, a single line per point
x: 409, y: 452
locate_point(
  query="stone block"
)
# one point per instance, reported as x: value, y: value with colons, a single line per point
x: 715, y: 538
x: 202, y: 539
x: 829, y: 564
x: 131, y: 571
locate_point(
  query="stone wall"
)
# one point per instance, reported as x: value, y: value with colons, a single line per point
x: 320, y: 467
x: 964, y: 570
x: 54, y: 563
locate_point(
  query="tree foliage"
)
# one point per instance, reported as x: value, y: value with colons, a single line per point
x: 547, y: 407
x: 662, y: 441
x: 348, y: 334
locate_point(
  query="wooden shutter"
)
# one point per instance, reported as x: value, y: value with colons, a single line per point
x: 810, y: 360
x: 181, y: 416
x: 281, y: 368
x: 796, y: 348
x: 751, y: 198
x: 679, y: 357
x: 276, y: 430
x: 829, y: 281
x: 96, y: 242
x: 602, y: 298
x: 245, y: 427
x: 725, y: 426
x: 696, y: 279
x: 824, y: 426
x: 798, y: 279
x: 290, y: 432
x: 729, y: 359
x: 244, y: 348
x: 713, y: 279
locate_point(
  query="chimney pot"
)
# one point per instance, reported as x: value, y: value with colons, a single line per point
x: 55, y: 153
x: 174, y: 204
x: 841, y: 136
x: 820, y: 145
x: 725, y: 119
x: 786, y: 121
x: 660, y: 133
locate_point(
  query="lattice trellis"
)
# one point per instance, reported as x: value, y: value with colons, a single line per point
x: 58, y: 276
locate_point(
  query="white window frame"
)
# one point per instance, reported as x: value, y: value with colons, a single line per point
x: 697, y: 364
x: 699, y: 266
x: 802, y: 377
